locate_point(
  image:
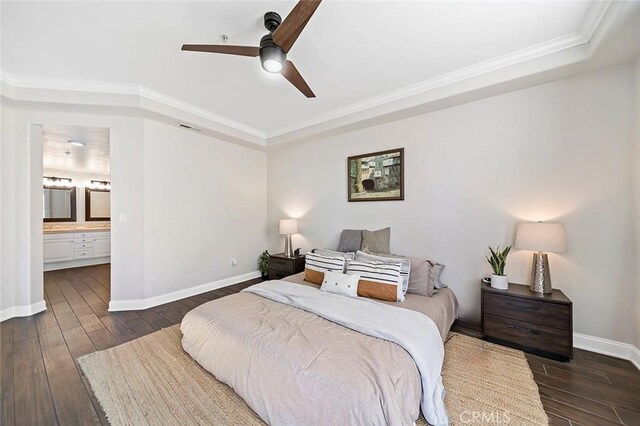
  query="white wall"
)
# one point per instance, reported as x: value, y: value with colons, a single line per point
x: 205, y: 203
x: 559, y: 151
x: 8, y: 261
x: 80, y: 180
x: 22, y: 204
x: 20, y: 290
x: 132, y: 170
x: 636, y: 163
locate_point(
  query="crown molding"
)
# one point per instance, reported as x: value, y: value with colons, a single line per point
x: 74, y: 91
x: 594, y: 18
x: 467, y: 73
x: 562, y: 51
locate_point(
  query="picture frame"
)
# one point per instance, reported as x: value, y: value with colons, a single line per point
x: 376, y: 176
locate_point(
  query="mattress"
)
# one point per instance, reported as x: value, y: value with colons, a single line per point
x: 441, y: 307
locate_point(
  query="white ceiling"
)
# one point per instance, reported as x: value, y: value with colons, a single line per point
x: 350, y: 51
x: 92, y: 158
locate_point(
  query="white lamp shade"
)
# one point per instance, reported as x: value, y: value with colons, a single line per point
x: 288, y: 226
x: 541, y: 236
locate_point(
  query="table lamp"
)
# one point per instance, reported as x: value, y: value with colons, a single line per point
x: 287, y: 228
x: 541, y: 237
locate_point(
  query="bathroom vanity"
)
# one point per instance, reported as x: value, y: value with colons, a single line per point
x: 73, y: 247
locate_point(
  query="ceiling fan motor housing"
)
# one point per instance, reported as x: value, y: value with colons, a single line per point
x: 272, y: 20
x: 269, y: 51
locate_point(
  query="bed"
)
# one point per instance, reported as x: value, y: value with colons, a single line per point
x: 299, y: 356
x: 442, y: 307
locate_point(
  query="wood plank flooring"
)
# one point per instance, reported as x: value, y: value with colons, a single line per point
x: 41, y: 383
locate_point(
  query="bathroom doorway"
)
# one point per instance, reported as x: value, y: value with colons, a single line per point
x: 76, y: 218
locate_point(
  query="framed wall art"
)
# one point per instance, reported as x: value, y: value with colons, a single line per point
x: 377, y: 176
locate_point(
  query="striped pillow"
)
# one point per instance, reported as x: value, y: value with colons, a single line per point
x: 405, y: 267
x: 378, y: 280
x: 330, y: 253
x: 315, y: 265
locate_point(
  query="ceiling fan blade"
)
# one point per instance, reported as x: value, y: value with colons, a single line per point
x: 223, y: 48
x: 289, y: 30
x: 290, y: 72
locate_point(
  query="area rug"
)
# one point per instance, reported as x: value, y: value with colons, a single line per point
x: 151, y: 380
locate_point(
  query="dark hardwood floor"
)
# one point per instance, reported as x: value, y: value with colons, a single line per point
x: 41, y: 383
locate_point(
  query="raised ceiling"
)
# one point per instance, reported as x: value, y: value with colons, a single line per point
x: 60, y: 155
x: 350, y: 52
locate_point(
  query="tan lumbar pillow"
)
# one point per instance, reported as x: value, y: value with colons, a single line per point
x: 378, y: 280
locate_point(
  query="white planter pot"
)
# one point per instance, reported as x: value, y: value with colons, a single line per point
x: 500, y: 282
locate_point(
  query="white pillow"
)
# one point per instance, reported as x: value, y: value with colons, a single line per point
x: 336, y: 282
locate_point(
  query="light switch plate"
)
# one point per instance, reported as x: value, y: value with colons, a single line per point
x: 123, y: 217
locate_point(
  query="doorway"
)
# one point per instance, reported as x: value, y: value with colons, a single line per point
x: 76, y: 215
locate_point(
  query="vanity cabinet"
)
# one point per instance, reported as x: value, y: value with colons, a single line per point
x: 58, y: 248
x: 102, y: 246
x: 75, y: 249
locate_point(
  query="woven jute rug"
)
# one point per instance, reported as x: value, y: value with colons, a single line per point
x: 151, y: 380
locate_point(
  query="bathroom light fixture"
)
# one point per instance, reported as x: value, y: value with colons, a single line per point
x: 76, y: 142
x: 100, y: 184
x: 57, y: 181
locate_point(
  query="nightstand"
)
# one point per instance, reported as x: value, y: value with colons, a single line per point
x: 281, y: 266
x: 534, y: 322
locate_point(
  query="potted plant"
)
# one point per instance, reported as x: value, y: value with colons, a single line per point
x: 498, y: 260
x: 263, y: 264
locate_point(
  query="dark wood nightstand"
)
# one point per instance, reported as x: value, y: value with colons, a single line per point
x: 281, y: 266
x: 534, y: 322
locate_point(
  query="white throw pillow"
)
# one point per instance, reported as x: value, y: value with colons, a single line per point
x: 336, y: 282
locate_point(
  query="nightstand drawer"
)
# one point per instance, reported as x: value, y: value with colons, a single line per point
x: 528, y: 310
x: 281, y: 265
x: 530, y: 335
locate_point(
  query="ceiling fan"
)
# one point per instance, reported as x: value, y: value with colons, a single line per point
x: 275, y: 45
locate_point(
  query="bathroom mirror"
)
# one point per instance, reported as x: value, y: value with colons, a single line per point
x: 97, y: 204
x: 58, y: 204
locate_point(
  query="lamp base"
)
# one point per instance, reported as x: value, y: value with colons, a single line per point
x: 288, y: 248
x: 540, y: 275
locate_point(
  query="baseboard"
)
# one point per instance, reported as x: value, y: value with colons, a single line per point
x: 607, y: 347
x: 635, y: 357
x: 136, y: 304
x: 23, y: 311
x: 78, y: 263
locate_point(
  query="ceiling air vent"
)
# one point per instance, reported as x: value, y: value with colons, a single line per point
x: 186, y: 126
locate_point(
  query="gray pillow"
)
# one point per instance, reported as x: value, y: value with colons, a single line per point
x: 350, y: 240
x: 437, y: 274
x: 376, y: 241
x: 425, y: 277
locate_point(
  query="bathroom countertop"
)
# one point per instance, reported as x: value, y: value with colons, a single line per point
x: 73, y: 229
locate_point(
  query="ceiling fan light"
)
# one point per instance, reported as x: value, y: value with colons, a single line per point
x: 272, y: 59
x: 271, y: 65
